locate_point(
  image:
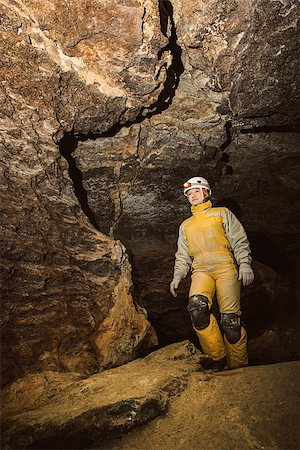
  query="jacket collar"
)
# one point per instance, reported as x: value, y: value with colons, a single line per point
x: 201, y: 207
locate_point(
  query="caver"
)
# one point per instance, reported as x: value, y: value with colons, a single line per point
x: 214, y: 245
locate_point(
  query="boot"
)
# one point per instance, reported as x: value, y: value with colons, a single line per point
x: 209, y: 365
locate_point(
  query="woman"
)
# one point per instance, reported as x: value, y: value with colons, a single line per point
x: 214, y: 245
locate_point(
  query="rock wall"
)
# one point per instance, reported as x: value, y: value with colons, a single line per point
x: 66, y: 300
x: 107, y: 108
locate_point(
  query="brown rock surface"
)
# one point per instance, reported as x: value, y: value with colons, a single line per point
x: 64, y: 283
x: 252, y: 407
x: 59, y: 411
x: 232, y: 119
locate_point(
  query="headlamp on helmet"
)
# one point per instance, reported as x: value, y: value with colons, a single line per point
x: 196, y: 183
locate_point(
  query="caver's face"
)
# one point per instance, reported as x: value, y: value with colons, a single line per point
x: 195, y: 196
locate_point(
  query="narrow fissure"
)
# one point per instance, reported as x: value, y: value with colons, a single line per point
x: 228, y: 126
x: 67, y: 145
x: 225, y: 168
x: 270, y: 129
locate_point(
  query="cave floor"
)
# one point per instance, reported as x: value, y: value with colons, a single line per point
x: 249, y: 408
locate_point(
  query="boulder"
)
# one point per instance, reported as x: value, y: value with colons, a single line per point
x: 64, y: 411
x: 179, y: 405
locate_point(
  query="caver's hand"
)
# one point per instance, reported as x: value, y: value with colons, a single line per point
x: 174, y: 285
x: 246, y: 274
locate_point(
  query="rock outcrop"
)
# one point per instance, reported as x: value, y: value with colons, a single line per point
x: 62, y: 411
x: 66, y: 300
x: 255, y: 407
x: 233, y: 120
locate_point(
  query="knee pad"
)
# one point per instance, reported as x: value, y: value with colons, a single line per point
x: 199, y: 311
x: 231, y: 325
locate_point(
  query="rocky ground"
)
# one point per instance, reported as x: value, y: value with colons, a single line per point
x: 162, y: 401
x: 251, y: 408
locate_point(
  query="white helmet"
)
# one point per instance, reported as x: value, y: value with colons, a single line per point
x: 196, y: 182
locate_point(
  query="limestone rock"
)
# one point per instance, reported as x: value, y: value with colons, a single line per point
x: 67, y: 413
x: 251, y: 407
x: 107, y: 108
x: 226, y: 58
x: 63, y: 68
x: 270, y: 162
x: 268, y: 348
x: 238, y: 54
x: 34, y: 390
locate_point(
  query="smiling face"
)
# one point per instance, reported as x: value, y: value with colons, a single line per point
x: 196, y: 196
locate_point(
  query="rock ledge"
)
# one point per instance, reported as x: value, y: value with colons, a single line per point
x: 84, y: 412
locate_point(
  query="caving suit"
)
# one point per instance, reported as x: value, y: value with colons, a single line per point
x: 212, y: 242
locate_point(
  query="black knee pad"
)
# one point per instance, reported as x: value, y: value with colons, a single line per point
x: 199, y: 311
x: 231, y: 325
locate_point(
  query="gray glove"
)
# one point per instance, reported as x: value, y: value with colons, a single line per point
x: 174, y: 285
x: 246, y: 274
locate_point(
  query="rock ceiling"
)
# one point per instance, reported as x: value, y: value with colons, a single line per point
x: 107, y: 108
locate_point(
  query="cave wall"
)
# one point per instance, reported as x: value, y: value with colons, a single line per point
x: 107, y: 108
x: 66, y: 287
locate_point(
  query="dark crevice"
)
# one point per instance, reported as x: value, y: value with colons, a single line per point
x: 228, y: 126
x: 67, y: 145
x: 164, y: 16
x: 224, y: 167
x: 173, y: 74
x: 270, y: 129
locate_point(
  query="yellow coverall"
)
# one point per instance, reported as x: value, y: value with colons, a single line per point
x: 211, y: 242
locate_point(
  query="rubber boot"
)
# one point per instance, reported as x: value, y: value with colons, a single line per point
x: 210, y: 365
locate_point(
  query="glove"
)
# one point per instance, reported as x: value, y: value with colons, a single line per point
x: 246, y: 274
x: 174, y: 285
